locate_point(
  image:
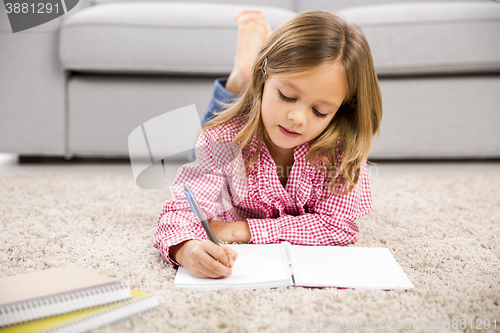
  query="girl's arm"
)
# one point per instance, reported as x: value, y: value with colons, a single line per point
x: 177, y: 222
x: 236, y: 231
x: 333, y: 221
x: 208, y: 179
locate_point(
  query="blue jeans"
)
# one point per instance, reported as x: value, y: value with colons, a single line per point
x: 220, y: 94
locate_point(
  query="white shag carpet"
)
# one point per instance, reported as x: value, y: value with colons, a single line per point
x: 442, y: 229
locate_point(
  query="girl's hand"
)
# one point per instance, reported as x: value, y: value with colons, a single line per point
x: 204, y: 259
x: 237, y: 231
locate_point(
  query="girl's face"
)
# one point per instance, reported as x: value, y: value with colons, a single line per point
x: 297, y: 107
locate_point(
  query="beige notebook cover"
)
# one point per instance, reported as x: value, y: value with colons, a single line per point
x: 56, y: 290
x: 87, y: 319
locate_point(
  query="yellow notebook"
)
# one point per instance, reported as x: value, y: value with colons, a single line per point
x: 84, y: 320
x: 54, y: 291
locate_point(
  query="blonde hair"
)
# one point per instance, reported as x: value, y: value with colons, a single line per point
x: 303, y: 42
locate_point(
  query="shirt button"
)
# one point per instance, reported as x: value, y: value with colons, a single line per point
x: 265, y: 234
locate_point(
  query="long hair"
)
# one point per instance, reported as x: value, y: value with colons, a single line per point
x: 301, y: 43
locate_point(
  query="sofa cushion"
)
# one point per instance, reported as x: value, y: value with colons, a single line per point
x: 431, y: 38
x: 184, y: 38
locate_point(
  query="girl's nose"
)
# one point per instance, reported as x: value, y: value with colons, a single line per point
x: 298, y: 115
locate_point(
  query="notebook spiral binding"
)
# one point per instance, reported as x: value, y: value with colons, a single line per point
x: 118, y: 312
x: 62, y: 303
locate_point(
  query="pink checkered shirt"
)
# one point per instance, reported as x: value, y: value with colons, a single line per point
x: 305, y: 212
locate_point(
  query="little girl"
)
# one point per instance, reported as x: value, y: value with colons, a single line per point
x: 302, y: 104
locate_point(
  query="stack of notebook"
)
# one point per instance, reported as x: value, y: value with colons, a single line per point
x: 66, y: 299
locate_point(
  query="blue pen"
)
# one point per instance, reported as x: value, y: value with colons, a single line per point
x: 197, y: 210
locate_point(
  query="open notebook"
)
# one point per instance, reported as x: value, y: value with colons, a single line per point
x: 276, y: 265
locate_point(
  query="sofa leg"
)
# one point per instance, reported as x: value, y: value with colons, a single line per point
x: 29, y: 159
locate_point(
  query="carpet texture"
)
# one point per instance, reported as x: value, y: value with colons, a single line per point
x: 442, y: 229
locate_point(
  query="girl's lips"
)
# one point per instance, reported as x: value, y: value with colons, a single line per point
x: 288, y: 133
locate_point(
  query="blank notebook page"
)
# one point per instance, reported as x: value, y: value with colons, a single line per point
x: 348, y: 267
x: 257, y: 266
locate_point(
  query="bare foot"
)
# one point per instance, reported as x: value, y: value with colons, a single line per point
x: 253, y: 31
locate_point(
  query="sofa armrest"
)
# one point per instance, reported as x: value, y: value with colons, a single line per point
x: 32, y: 89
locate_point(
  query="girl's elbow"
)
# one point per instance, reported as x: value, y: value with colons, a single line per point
x: 349, y: 235
x: 348, y: 238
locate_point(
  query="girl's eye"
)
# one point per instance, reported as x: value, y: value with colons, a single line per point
x: 283, y: 97
x: 288, y: 99
x: 319, y: 114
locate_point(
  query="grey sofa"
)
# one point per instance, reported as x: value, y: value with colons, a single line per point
x: 79, y: 85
